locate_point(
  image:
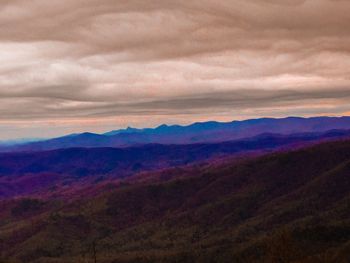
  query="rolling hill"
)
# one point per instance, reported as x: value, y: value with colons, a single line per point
x: 33, y: 172
x: 290, y: 206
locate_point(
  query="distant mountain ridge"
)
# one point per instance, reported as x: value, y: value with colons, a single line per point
x: 205, y: 132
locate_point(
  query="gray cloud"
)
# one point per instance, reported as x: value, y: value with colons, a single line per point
x: 56, y: 107
x: 87, y: 61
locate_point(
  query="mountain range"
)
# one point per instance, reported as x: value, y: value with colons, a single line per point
x: 289, y: 206
x: 32, y: 172
x: 264, y: 190
x: 206, y: 132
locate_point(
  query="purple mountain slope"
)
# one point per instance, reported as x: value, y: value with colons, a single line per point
x: 27, y: 172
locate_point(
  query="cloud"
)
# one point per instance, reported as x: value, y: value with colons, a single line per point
x: 88, y: 59
x: 53, y: 106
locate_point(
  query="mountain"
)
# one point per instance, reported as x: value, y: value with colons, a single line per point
x: 206, y: 132
x: 124, y: 131
x: 32, y: 172
x: 289, y: 206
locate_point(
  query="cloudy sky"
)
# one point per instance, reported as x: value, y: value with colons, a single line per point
x: 96, y: 65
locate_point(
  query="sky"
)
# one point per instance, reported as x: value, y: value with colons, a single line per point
x: 97, y: 65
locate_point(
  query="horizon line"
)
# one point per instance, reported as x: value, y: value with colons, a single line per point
x: 34, y: 139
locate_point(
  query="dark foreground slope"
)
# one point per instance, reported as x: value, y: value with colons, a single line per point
x: 282, y: 207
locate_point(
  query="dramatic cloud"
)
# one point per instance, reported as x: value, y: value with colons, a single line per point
x: 100, y: 64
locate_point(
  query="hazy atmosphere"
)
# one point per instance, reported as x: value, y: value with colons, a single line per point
x: 97, y: 65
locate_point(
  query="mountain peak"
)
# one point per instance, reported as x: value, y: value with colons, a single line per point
x: 163, y: 126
